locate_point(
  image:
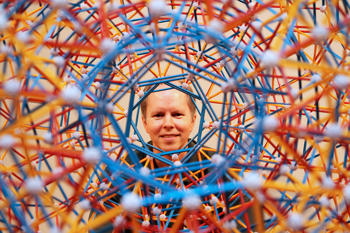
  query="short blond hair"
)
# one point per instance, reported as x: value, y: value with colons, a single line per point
x: 190, y: 103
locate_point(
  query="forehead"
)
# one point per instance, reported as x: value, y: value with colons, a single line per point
x: 167, y: 99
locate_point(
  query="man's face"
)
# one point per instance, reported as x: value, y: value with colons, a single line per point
x: 168, y: 119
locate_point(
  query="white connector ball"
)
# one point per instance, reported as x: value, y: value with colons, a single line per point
x: 192, y: 202
x: 157, y: 196
x: 257, y: 25
x: 319, y: 33
x: 269, y: 59
x: 59, y: 61
x: 216, y: 26
x: 184, y: 85
x: 48, y: 138
x: 284, y: 169
x: 134, y: 138
x: 213, y: 200
x: 119, y: 221
x: 323, y: 8
x: 174, y: 157
x: 141, y: 93
x: 252, y: 181
x: 206, y: 125
x: 216, y: 125
x: 270, y: 123
x: 324, y: 202
x: 156, y: 210
x: 157, y: 8
x: 106, y: 45
x: 71, y: 94
x: 6, y: 142
x: 34, y: 185
x: 341, y: 81
x: 229, y: 225
x: 218, y: 160
x: 55, y: 229
x: 346, y: 193
x: 92, y: 155
x: 12, y: 87
x: 131, y: 202
x: 76, y: 135
x: 145, y: 171
x: 294, y: 93
x: 145, y: 223
x: 295, y: 221
x: 333, y: 130
x: 327, y: 182
x: 177, y: 163
x: 104, y: 186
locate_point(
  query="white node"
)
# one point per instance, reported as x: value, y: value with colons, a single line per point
x: 195, y: 5
x: 131, y: 202
x: 141, y: 93
x: 94, y: 184
x: 295, y: 221
x: 126, y: 113
x: 199, y: 53
x: 135, y: 87
x: 216, y: 26
x: 97, y: 85
x: 119, y: 221
x: 48, y: 138
x: 12, y: 87
x: 109, y: 107
x: 251, y: 4
x: 92, y: 155
x: 177, y: 163
x: 157, y: 196
x: 71, y: 94
x: 294, y: 93
x: 260, y: 197
x: 97, y: 5
x: 333, y: 130
x: 128, y: 140
x: 34, y: 185
x: 157, y: 8
x: 23, y: 36
x: 207, y: 208
x: 57, y: 170
x: 216, y: 125
x: 182, y: 26
x: 156, y: 210
x: 315, y: 78
x: 104, y: 186
x: 257, y: 25
x: 125, y: 36
x: 213, y: 200
x: 269, y: 59
x: 270, y: 123
x: 233, y: 51
x: 59, y: 61
x: 293, y: 166
x: 84, y: 71
x: 174, y: 156
x: 162, y: 216
x: 54, y: 51
x: 252, y: 181
x: 218, y: 160
x: 284, y: 169
x: 184, y: 86
x: 145, y: 223
x: 72, y: 144
x: 346, y: 193
x: 106, y: 45
x: 323, y: 8
x: 206, y: 125
x: 76, y: 135
x: 319, y: 33
x: 241, y: 128
x: 134, y: 138
x: 327, y: 182
x: 192, y: 202
x: 61, y: 4
x: 324, y: 202
x: 341, y: 81
x: 55, y: 229
x: 67, y: 79
x: 242, y: 28
x: 7, y: 142
x: 229, y: 225
x: 113, y: 6
x: 145, y: 171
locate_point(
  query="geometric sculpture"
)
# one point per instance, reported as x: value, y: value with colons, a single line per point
x: 271, y: 82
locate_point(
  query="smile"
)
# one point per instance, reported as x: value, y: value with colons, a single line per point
x: 169, y: 136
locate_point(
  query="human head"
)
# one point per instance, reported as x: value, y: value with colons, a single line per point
x: 189, y: 100
x: 168, y: 120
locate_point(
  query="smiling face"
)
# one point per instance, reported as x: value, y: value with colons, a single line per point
x: 168, y: 119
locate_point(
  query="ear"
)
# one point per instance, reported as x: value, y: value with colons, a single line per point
x: 193, y: 121
x: 144, y: 124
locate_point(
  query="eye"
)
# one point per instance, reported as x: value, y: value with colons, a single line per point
x: 158, y: 115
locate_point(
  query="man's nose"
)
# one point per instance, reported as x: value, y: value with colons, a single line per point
x: 168, y: 121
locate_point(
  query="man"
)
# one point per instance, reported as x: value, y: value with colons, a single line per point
x: 168, y: 116
x: 169, y: 120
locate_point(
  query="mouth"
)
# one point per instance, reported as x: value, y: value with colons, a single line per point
x: 169, y: 136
